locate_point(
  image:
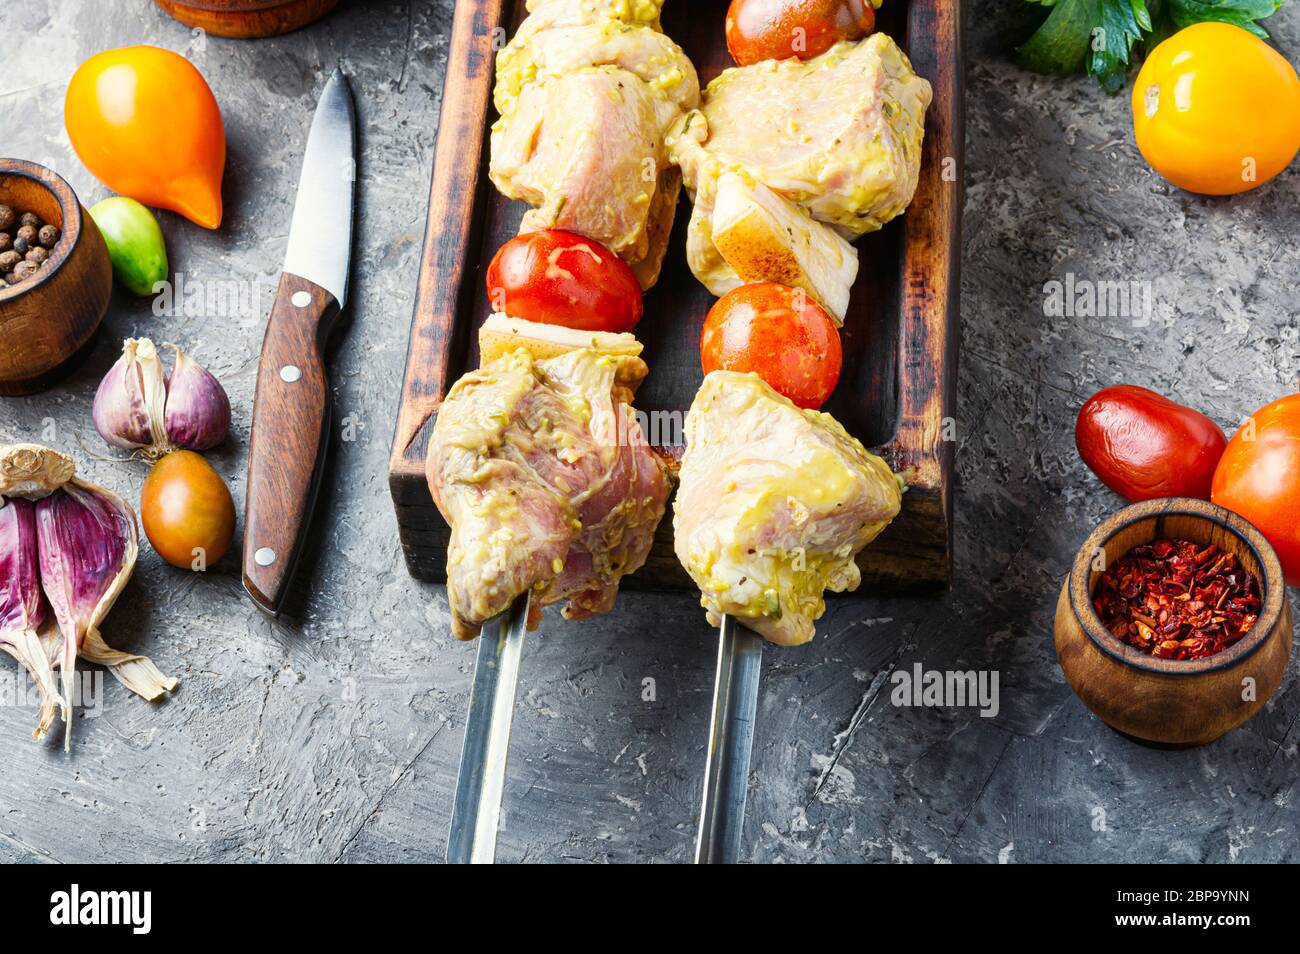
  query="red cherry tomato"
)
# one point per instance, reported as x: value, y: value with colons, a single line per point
x: 1259, y: 478
x: 561, y: 278
x: 779, y: 29
x: 1144, y: 446
x: 779, y: 333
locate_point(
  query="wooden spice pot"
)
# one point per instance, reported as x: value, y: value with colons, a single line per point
x: 48, y: 320
x: 1167, y: 701
x: 247, y: 19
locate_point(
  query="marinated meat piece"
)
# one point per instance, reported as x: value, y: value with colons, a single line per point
x: 839, y: 136
x: 543, y: 473
x: 774, y: 504
x: 587, y: 91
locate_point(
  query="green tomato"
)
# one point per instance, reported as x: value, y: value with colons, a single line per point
x: 135, y: 243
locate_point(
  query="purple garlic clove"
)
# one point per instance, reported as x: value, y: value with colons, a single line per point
x: 23, y: 610
x: 87, y: 541
x: 197, y: 413
x: 129, y: 404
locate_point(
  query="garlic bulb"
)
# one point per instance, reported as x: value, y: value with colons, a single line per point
x: 138, y: 408
x: 81, y: 544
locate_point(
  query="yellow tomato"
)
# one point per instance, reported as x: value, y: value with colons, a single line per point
x: 144, y: 121
x: 1216, y: 110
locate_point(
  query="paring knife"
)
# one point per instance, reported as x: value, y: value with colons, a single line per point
x: 476, y: 813
x: 731, y: 745
x: 291, y: 409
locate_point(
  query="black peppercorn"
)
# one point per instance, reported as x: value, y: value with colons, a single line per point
x: 21, y: 245
x: 7, y: 218
x: 8, y: 260
x: 36, y: 254
x: 48, y: 235
x: 30, y: 218
x: 6, y: 241
x: 23, y: 269
x: 27, y: 232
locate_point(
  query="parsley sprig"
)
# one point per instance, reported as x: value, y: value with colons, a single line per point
x: 1105, y: 36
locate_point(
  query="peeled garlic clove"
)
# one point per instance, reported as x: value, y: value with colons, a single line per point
x: 23, y: 610
x: 129, y: 404
x: 197, y: 413
x: 87, y: 541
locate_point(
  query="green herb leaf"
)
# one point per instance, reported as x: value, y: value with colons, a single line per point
x: 1121, y: 23
x: 1062, y: 42
x: 1103, y: 36
x: 1242, y: 13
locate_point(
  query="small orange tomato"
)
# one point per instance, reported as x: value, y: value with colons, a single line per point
x: 778, y: 29
x: 1216, y: 110
x: 187, y: 512
x: 144, y: 121
x: 780, y: 334
x: 1259, y: 478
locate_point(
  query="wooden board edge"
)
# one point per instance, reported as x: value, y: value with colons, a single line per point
x: 452, y: 226
x: 924, y: 445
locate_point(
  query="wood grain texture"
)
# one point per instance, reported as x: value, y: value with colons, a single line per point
x: 247, y: 19
x: 897, y: 391
x: 1169, y: 701
x: 48, y: 321
x: 290, y: 432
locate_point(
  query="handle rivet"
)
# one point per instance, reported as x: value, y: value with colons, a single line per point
x: 290, y: 373
x: 265, y: 556
x: 301, y: 299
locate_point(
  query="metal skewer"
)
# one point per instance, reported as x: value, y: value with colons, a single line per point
x: 476, y: 813
x: 731, y: 743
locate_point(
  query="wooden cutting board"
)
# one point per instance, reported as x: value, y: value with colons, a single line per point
x: 897, y: 391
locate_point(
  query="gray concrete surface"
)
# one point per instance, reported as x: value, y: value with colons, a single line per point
x: 334, y: 733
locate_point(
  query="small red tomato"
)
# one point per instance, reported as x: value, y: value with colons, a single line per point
x: 561, y: 278
x: 1143, y: 446
x: 779, y: 333
x: 1259, y: 478
x: 779, y: 29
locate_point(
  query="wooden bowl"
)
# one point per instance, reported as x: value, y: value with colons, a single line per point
x: 247, y: 19
x: 47, y: 322
x: 1168, y: 701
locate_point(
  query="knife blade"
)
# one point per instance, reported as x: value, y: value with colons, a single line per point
x: 476, y: 812
x: 292, y: 407
x: 731, y: 745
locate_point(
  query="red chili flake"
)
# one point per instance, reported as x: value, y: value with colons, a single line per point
x: 1174, y: 599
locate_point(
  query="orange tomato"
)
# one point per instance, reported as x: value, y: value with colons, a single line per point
x: 778, y: 29
x: 144, y: 121
x: 780, y: 334
x: 187, y: 511
x: 1216, y: 110
x: 1259, y: 478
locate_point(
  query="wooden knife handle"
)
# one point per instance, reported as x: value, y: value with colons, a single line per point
x: 291, y: 424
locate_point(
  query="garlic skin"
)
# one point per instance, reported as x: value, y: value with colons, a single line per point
x: 23, y: 610
x: 197, y: 411
x: 129, y: 403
